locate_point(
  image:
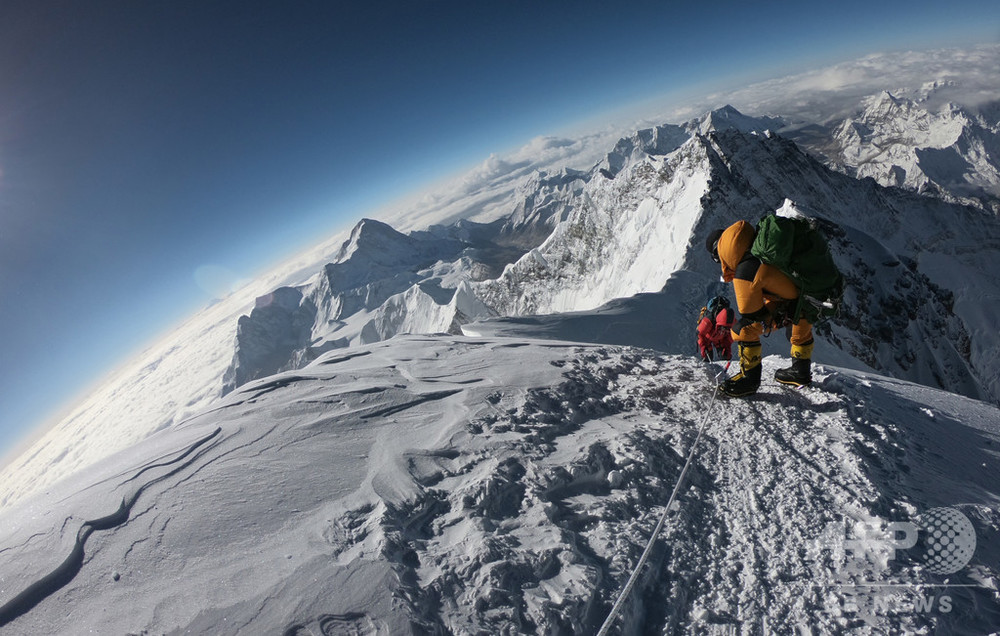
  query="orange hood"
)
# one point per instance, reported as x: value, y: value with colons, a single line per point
x: 733, y: 245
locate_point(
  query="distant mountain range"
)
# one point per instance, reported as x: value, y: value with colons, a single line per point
x: 952, y: 152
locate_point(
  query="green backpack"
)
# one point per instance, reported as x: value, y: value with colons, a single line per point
x: 800, y: 251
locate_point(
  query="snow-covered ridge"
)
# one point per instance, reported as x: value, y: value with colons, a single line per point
x: 661, y: 140
x: 460, y: 485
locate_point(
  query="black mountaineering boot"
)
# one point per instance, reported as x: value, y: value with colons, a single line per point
x: 800, y: 373
x: 747, y: 381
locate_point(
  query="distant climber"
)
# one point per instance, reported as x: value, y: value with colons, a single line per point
x: 760, y: 262
x: 714, y: 339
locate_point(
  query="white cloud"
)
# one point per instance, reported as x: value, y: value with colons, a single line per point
x: 967, y: 76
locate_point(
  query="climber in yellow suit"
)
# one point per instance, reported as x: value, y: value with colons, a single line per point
x: 761, y: 292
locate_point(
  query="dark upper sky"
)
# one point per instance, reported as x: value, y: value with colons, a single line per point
x: 143, y: 140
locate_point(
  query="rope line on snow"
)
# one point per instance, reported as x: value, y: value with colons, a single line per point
x: 623, y: 596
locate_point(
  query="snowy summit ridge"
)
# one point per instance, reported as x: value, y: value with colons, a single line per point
x: 728, y: 117
x: 456, y: 485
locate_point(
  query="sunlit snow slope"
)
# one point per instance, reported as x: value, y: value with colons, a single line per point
x: 448, y: 484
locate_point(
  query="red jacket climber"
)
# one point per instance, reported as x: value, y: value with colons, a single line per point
x: 714, y: 338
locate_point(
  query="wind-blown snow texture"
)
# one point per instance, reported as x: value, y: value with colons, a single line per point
x: 456, y: 485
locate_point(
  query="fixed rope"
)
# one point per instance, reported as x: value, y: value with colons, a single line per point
x: 617, y: 608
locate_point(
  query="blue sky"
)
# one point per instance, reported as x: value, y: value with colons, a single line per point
x: 141, y: 141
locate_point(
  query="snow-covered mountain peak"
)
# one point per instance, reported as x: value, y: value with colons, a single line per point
x: 375, y: 239
x: 883, y: 105
x: 728, y: 117
x: 375, y: 250
x: 540, y: 202
x: 947, y: 151
x: 525, y: 235
x: 656, y: 141
x: 285, y: 298
x: 596, y: 239
x: 559, y: 180
x: 928, y: 89
x: 893, y: 120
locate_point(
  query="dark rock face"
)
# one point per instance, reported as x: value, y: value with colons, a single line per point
x: 266, y: 340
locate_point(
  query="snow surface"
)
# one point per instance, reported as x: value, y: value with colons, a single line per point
x: 452, y: 484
